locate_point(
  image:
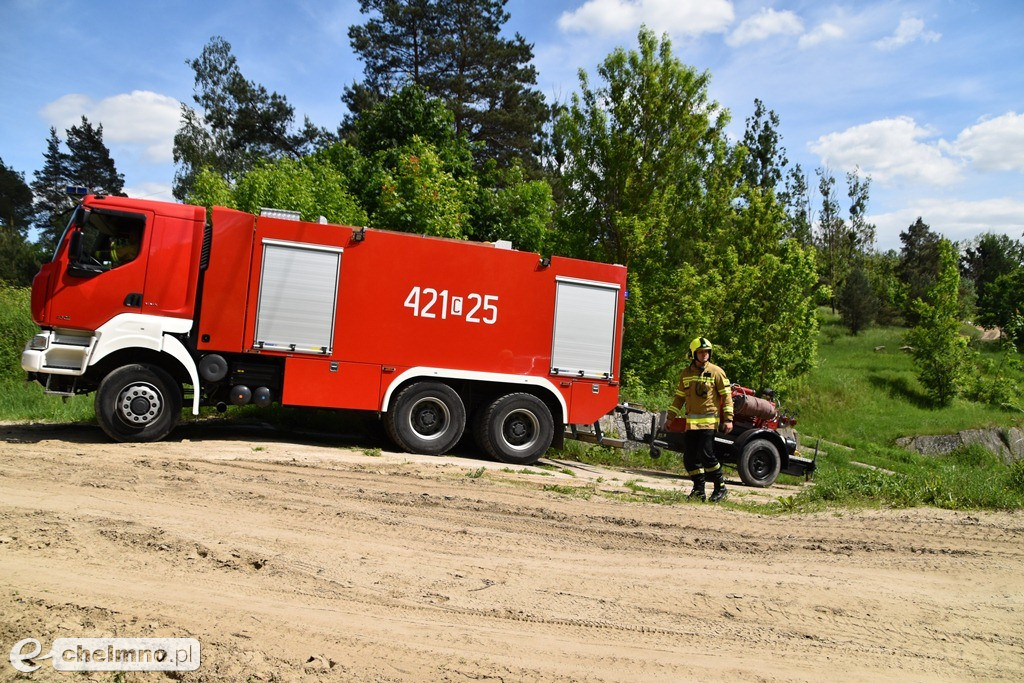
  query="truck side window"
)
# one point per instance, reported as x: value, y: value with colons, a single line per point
x: 111, y: 240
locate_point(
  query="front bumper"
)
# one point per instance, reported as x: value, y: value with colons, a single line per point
x: 57, y: 352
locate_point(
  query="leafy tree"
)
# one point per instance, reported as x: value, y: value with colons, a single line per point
x: 939, y: 350
x: 453, y: 49
x: 795, y: 197
x: 647, y: 179
x: 919, y: 262
x: 19, y: 260
x: 411, y: 113
x: 1004, y: 305
x: 766, y: 159
x: 15, y: 201
x: 832, y: 237
x: 487, y: 202
x: 857, y: 303
x: 842, y: 245
x: 313, y: 186
x: 985, y: 259
x: 889, y: 292
x: 238, y: 123
x: 509, y: 206
x: 862, y: 232
x: 417, y: 194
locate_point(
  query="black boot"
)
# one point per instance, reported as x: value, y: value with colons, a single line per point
x: 698, y: 489
x: 719, y: 493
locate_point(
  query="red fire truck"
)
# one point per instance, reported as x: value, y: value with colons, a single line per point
x: 151, y: 306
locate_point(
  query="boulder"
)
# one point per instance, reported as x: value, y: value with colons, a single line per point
x: 1008, y: 444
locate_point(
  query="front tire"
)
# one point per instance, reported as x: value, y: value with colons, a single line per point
x: 427, y: 418
x: 759, y: 463
x: 516, y: 429
x: 138, y: 403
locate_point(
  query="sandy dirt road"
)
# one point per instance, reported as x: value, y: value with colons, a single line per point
x: 297, y: 559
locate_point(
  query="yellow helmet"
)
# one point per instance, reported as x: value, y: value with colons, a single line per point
x: 698, y: 344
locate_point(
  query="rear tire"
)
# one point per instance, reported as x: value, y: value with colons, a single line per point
x: 427, y: 418
x: 138, y: 403
x: 516, y: 429
x: 759, y: 463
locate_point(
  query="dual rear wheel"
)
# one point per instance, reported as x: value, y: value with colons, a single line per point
x: 430, y: 418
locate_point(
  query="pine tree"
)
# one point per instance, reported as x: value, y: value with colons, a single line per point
x: 89, y: 163
x: 238, y: 123
x: 51, y: 198
x: 919, y: 263
x: 857, y: 303
x: 453, y: 49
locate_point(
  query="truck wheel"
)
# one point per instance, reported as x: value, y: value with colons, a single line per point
x: 427, y: 418
x: 516, y: 429
x: 759, y: 463
x: 138, y: 403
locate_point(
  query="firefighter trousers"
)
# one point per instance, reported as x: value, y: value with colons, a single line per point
x: 699, y: 456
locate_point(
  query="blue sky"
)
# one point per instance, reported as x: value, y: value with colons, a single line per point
x: 926, y: 96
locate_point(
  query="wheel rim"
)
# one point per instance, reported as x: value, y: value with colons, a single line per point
x: 429, y: 418
x: 520, y: 429
x: 139, y: 403
x: 761, y: 465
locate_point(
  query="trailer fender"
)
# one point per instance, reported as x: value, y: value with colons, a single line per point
x: 473, y: 376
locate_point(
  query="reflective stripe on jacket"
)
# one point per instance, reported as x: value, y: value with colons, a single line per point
x: 704, y: 394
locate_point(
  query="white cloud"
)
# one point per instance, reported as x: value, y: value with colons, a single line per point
x: 151, y: 190
x: 677, y: 17
x: 956, y: 219
x: 140, y: 119
x: 994, y: 145
x: 889, y: 150
x: 909, y: 30
x: 766, y: 24
x: 822, y: 33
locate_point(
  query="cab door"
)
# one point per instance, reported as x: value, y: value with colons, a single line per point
x: 102, y: 270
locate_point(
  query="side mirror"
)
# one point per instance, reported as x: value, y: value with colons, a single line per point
x: 75, y: 244
x: 79, y: 266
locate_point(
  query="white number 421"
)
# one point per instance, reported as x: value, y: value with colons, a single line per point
x: 427, y: 302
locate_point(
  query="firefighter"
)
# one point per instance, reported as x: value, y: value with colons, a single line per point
x: 706, y: 395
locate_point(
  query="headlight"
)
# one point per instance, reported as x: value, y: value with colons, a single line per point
x: 39, y: 342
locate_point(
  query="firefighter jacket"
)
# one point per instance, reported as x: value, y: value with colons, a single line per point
x: 701, y: 392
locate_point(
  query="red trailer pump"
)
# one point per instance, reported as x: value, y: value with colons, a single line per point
x: 144, y: 298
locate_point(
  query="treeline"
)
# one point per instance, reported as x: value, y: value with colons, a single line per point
x: 448, y: 135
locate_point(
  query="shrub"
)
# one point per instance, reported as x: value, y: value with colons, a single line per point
x: 16, y: 328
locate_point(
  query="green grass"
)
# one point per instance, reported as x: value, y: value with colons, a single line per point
x: 22, y: 401
x: 858, y: 395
